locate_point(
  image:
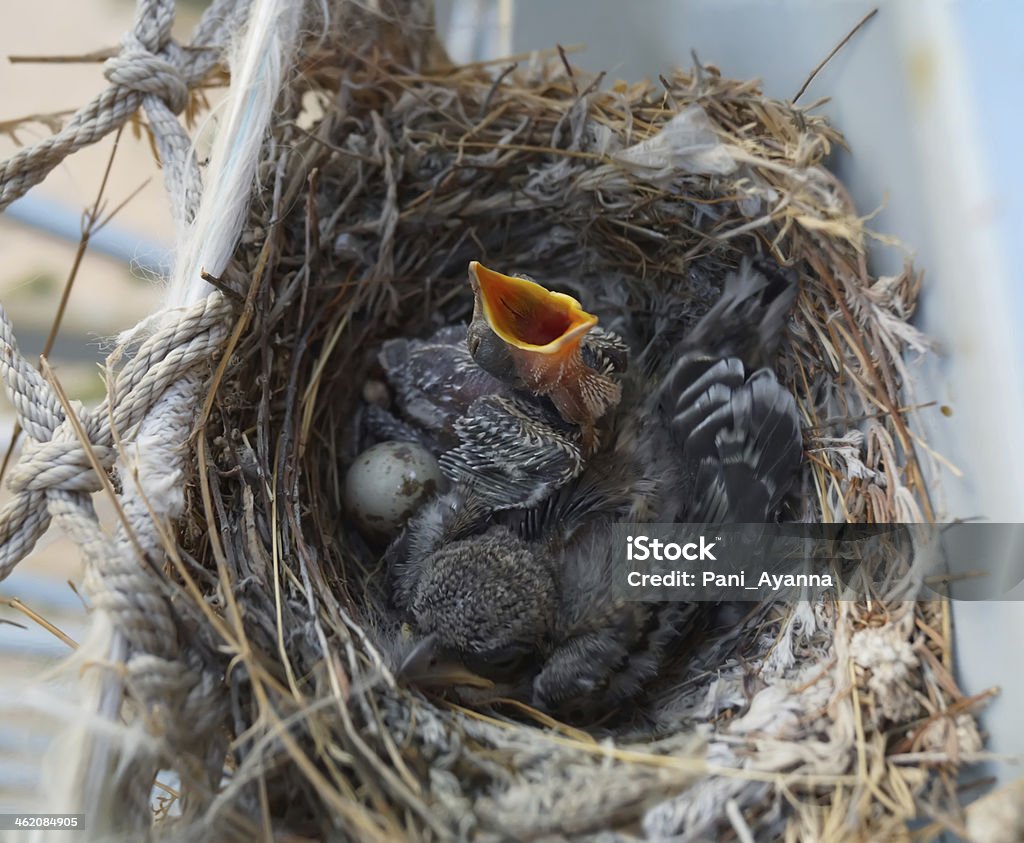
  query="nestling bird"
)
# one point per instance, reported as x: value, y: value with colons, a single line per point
x: 705, y: 433
x: 434, y: 382
x: 533, y: 338
x: 530, y: 603
x: 733, y: 430
x: 511, y: 405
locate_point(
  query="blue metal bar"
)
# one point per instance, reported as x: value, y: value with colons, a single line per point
x: 59, y: 219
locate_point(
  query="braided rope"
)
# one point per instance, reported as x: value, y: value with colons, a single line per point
x: 150, y: 407
x: 150, y: 71
x: 153, y: 392
x: 54, y: 460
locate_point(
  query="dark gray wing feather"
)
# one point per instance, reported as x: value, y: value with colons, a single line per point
x: 736, y: 435
x: 382, y: 425
x: 748, y: 319
x: 435, y: 380
x: 745, y: 450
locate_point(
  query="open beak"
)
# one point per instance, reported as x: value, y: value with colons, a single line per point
x: 529, y: 337
x: 430, y: 665
x: 527, y: 316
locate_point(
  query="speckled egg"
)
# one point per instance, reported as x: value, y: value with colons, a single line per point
x: 387, y: 483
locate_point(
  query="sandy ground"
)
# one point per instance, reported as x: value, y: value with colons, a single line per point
x: 108, y: 297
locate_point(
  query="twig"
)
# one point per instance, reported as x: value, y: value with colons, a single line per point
x: 518, y: 57
x: 90, y: 453
x: 835, y: 50
x: 739, y: 825
x: 223, y: 286
x: 92, y: 57
x: 568, y: 71
x: 53, y: 629
x: 120, y: 206
x: 81, y: 58
x: 52, y: 120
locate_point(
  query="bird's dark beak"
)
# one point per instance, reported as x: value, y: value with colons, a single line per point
x: 430, y: 664
x: 529, y: 317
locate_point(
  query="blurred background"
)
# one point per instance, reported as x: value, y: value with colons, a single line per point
x: 926, y: 94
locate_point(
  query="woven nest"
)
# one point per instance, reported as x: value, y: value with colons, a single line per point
x: 390, y: 170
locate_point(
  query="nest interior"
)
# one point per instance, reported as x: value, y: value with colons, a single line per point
x: 388, y: 171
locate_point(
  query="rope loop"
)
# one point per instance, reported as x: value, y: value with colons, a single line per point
x: 140, y: 70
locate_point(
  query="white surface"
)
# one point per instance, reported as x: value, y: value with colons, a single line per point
x: 927, y: 96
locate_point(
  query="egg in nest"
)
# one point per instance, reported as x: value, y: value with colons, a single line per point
x: 386, y: 484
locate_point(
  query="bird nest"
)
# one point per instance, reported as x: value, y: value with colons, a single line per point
x: 389, y: 170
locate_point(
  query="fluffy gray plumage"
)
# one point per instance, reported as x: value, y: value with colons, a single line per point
x: 504, y: 594
x: 535, y: 593
x: 514, y: 450
x: 515, y: 562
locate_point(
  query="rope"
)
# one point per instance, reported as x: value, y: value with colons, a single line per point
x: 54, y: 460
x: 153, y: 391
x: 151, y: 405
x: 150, y: 71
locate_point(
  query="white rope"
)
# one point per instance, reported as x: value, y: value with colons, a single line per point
x: 151, y: 70
x: 137, y: 615
x: 104, y: 768
x: 257, y: 68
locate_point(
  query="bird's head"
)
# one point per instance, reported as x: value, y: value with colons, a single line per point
x: 530, y: 337
x: 481, y: 606
x: 522, y: 332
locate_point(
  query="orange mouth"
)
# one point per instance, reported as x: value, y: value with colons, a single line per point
x: 527, y: 316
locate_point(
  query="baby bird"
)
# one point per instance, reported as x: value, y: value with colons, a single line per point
x: 706, y: 434
x: 533, y: 339
x: 511, y: 404
x: 718, y: 428
x: 434, y: 382
x: 479, y: 602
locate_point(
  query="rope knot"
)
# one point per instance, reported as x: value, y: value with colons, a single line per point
x: 60, y: 463
x: 139, y: 69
